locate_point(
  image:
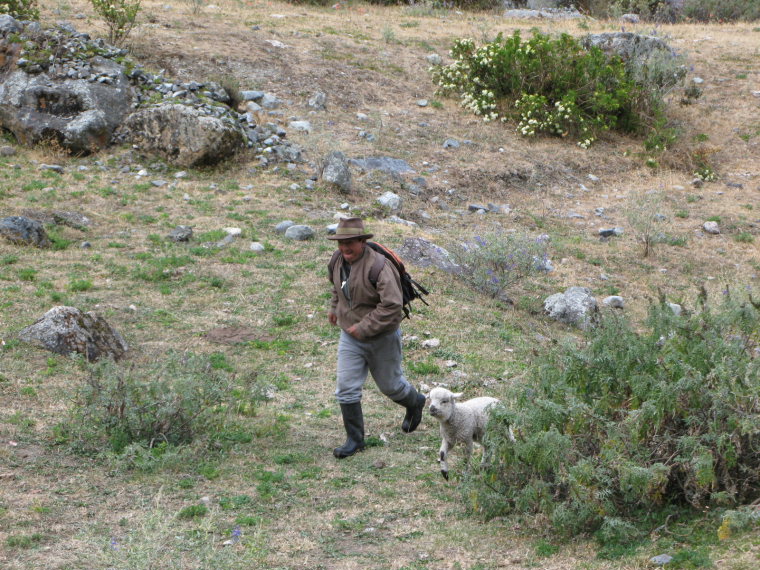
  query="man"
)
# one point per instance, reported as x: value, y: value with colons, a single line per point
x: 370, y: 339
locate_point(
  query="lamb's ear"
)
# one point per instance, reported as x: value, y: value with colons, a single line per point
x: 456, y: 395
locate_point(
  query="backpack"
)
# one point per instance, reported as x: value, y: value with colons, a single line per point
x: 410, y: 289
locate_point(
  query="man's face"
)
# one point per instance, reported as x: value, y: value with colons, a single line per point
x: 351, y: 249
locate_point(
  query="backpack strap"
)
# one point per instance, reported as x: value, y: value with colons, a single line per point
x: 377, y: 267
x: 374, y: 272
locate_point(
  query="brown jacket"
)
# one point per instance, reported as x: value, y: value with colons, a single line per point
x: 374, y: 310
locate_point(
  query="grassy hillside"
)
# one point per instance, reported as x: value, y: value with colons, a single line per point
x: 268, y: 483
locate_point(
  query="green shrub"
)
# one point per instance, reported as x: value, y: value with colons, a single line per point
x: 494, y: 262
x: 119, y: 15
x: 634, y: 422
x: 547, y: 85
x: 20, y: 9
x: 192, y: 512
x: 721, y: 10
x: 171, y: 401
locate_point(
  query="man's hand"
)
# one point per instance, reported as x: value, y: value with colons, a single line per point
x: 352, y: 331
x: 333, y: 318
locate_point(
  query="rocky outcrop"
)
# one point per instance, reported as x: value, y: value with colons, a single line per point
x: 78, y: 114
x: 59, y: 85
x: 67, y: 330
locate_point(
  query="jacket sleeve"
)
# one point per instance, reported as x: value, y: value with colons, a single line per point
x: 333, y: 290
x: 387, y: 314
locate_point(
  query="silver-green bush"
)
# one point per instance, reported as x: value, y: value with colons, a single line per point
x: 633, y: 423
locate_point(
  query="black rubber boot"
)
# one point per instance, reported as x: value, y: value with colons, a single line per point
x: 414, y: 402
x: 353, y: 421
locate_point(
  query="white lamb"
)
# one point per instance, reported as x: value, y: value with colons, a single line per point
x: 461, y: 422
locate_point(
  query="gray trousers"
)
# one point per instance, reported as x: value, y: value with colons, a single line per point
x: 380, y: 356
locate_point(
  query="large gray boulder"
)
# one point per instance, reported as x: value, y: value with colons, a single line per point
x: 66, y: 330
x: 424, y: 253
x: 575, y: 307
x: 78, y: 114
x: 185, y: 136
x: 24, y: 231
x: 9, y: 25
x: 387, y: 164
x: 335, y: 172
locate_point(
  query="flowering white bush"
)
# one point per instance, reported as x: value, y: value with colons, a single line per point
x: 546, y: 85
x: 20, y: 9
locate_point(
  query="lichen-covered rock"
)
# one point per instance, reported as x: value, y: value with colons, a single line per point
x: 24, y: 231
x: 575, y: 307
x: 80, y: 115
x: 424, y: 253
x: 183, y: 135
x: 336, y: 172
x: 67, y: 330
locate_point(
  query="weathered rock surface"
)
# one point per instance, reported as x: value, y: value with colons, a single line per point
x: 79, y: 114
x: 89, y: 96
x: 336, y: 172
x: 385, y: 163
x: 24, y: 231
x: 575, y: 307
x: 183, y: 135
x: 66, y: 330
x: 424, y: 253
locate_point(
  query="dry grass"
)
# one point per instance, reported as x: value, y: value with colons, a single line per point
x: 388, y: 507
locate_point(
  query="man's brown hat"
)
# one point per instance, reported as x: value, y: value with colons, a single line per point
x: 350, y: 228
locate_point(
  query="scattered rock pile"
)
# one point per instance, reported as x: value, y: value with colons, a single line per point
x: 59, y: 84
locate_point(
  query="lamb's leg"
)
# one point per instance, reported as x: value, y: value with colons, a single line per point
x: 442, y: 453
x: 468, y: 450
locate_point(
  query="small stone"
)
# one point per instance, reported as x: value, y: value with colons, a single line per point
x: 451, y: 143
x: 282, y: 227
x: 257, y: 247
x: 299, y: 232
x: 301, y: 126
x: 317, y: 101
x: 609, y: 232
x: 434, y: 59
x: 422, y: 102
x: 614, y: 301
x: 54, y: 167
x: 431, y: 343
x: 181, y: 234
x: 158, y: 183
x: 661, y: 559
x: 86, y: 245
x: 180, y: 174
x: 7, y: 151
x: 235, y: 232
x: 711, y: 228
x: 390, y: 200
